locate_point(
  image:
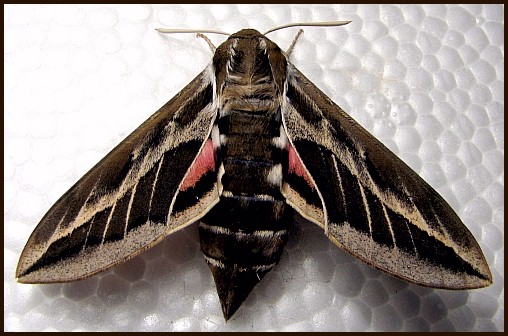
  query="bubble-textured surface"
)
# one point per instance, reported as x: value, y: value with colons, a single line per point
x: 427, y: 80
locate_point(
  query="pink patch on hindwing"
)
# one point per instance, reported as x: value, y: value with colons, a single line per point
x: 296, y: 166
x: 204, y: 162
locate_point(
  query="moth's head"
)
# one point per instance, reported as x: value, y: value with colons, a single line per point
x: 246, y: 33
x: 246, y: 38
x: 244, y: 52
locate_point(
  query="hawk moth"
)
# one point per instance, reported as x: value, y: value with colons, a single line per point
x: 242, y: 146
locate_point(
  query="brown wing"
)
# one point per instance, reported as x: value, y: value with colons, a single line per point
x: 128, y: 201
x: 373, y: 205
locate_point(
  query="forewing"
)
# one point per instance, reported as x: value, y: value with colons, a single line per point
x: 128, y: 201
x: 373, y: 205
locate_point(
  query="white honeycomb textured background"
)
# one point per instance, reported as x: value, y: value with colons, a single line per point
x: 427, y: 80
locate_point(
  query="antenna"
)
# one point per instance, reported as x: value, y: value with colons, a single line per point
x: 310, y: 24
x: 212, y: 31
x: 199, y: 31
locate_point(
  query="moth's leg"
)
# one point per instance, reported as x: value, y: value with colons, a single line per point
x: 210, y: 44
x: 292, y: 46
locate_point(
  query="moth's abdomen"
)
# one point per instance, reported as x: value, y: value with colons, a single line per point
x: 242, y: 239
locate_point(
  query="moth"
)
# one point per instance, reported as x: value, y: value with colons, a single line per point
x: 242, y: 147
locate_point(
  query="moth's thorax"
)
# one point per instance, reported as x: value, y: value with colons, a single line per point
x: 249, y: 120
